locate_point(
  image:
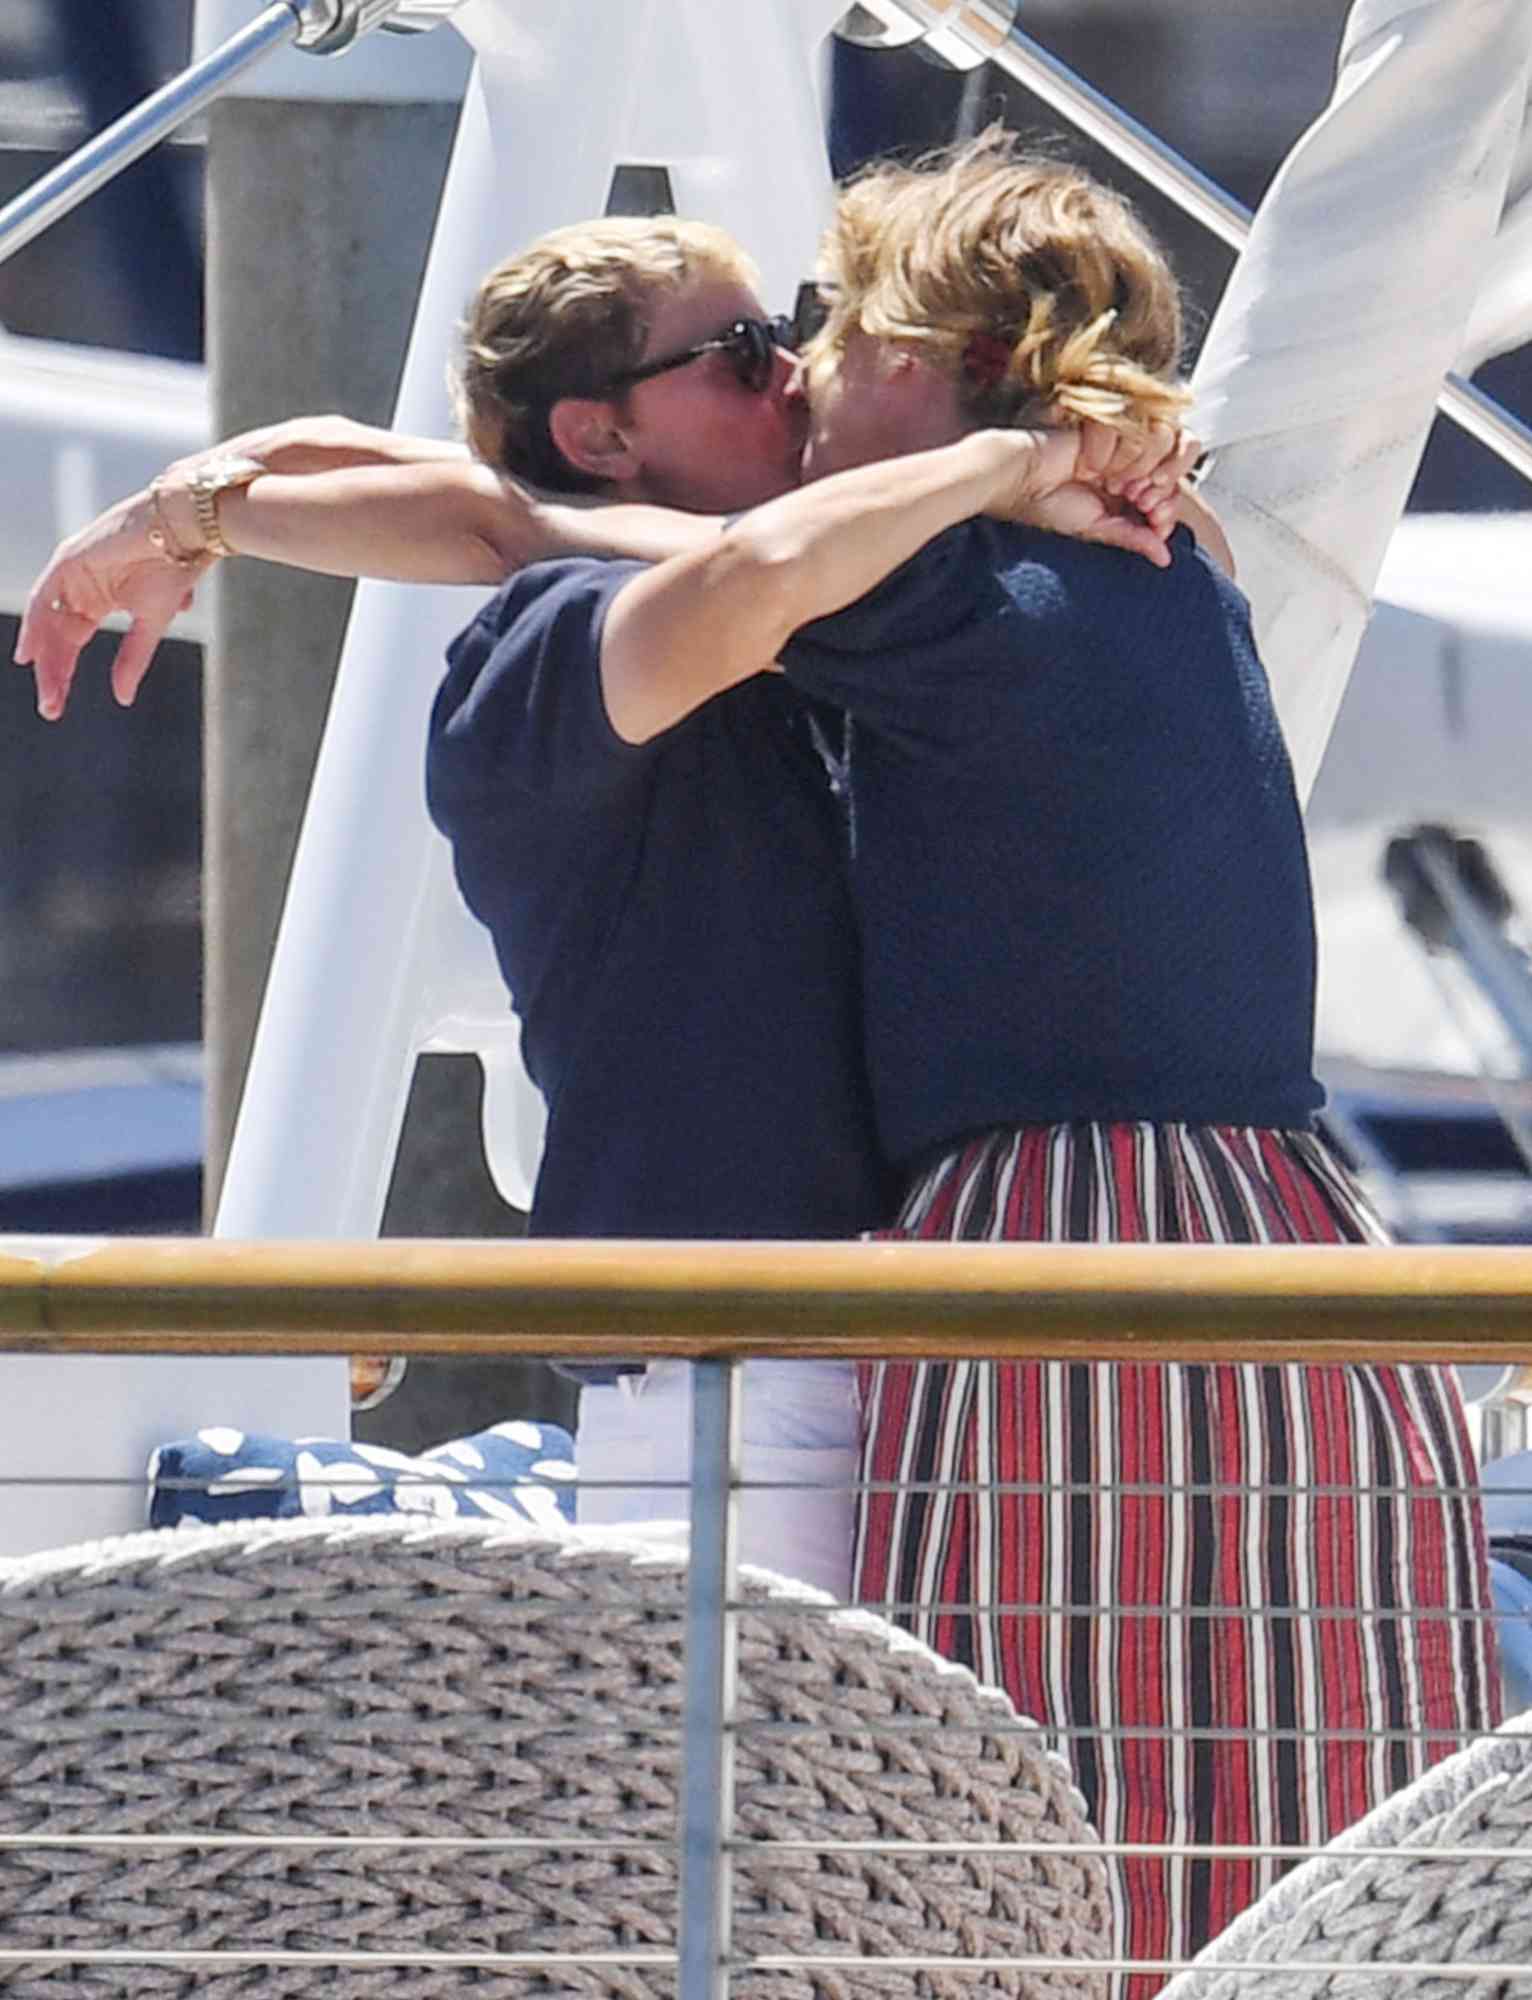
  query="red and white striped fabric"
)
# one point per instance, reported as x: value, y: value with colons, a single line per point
x: 1238, y: 1592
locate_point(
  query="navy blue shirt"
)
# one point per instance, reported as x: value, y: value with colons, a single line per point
x: 1078, y: 860
x: 673, y: 923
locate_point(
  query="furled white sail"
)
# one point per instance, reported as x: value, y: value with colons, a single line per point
x: 1320, y: 373
x: 1502, y: 314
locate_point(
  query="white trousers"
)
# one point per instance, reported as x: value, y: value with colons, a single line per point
x: 800, y: 1442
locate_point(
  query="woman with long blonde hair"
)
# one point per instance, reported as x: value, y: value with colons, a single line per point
x: 1252, y: 1598
x: 1255, y: 1596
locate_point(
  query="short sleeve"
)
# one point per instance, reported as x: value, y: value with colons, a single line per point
x: 520, y: 710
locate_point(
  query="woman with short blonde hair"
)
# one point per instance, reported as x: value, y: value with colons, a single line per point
x: 565, y: 317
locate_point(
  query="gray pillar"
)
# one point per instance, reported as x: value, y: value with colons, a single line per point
x: 319, y: 217
x: 320, y: 212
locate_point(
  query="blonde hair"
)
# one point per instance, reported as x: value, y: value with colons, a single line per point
x: 1034, y: 287
x: 564, y: 317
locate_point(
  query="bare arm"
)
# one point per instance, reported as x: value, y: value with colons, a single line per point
x: 1193, y: 512
x: 440, y: 523
x: 341, y: 499
x: 328, y: 444
x: 703, y: 621
x: 111, y: 567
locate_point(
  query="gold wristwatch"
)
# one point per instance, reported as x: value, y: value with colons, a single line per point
x: 204, y: 485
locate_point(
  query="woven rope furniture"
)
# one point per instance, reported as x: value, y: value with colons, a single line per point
x: 452, y: 1679
x: 1351, y: 1907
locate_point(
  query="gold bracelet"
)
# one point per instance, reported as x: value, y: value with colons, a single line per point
x: 160, y: 536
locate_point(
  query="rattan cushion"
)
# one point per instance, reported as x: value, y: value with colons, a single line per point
x: 468, y: 1679
x: 1351, y: 1907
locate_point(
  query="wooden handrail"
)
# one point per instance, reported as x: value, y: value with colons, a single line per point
x: 620, y: 1299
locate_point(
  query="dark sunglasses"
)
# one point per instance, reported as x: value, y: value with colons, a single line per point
x: 750, y: 345
x: 811, y: 309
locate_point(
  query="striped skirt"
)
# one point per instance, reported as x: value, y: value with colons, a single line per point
x: 1250, y: 1600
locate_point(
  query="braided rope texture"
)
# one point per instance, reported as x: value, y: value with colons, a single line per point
x: 468, y: 1679
x: 1349, y: 1908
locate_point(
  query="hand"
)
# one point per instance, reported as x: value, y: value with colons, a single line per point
x: 1101, y: 485
x: 1089, y: 515
x: 110, y: 566
x: 1144, y: 467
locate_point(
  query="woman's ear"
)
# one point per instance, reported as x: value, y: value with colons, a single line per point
x: 589, y: 434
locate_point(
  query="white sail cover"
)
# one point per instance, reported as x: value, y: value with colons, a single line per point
x: 1320, y: 373
x: 1502, y: 313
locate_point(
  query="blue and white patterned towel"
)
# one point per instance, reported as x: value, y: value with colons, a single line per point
x: 511, y: 1472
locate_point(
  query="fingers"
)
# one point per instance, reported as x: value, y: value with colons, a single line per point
x: 1098, y: 448
x: 1159, y: 511
x: 31, y: 633
x: 1156, y: 488
x: 1123, y: 489
x: 50, y: 642
x: 135, y: 654
x: 52, y: 674
x: 1150, y: 460
x: 1144, y: 470
x: 154, y: 607
x: 67, y: 608
x: 1144, y: 465
x: 1138, y: 537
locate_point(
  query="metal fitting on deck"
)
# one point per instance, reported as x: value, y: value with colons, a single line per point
x: 327, y: 27
x: 961, y: 33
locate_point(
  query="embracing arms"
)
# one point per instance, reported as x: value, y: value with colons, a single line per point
x: 713, y: 616
x: 352, y: 500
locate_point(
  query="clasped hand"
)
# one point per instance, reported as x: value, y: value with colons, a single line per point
x: 1098, y: 484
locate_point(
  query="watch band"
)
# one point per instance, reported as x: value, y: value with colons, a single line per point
x: 160, y: 534
x: 217, y: 476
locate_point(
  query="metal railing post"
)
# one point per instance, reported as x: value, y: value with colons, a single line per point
x: 74, y: 180
x: 707, y: 1797
x: 1066, y: 92
x: 322, y: 27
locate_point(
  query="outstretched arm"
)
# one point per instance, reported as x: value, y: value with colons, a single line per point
x: 441, y: 523
x: 114, y: 567
x: 325, y: 444
x: 681, y: 632
x: 339, y: 497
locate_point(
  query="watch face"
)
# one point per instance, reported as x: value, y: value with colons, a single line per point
x: 221, y: 473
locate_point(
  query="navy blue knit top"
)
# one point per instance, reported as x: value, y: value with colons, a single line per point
x: 1078, y: 860
x: 673, y: 922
